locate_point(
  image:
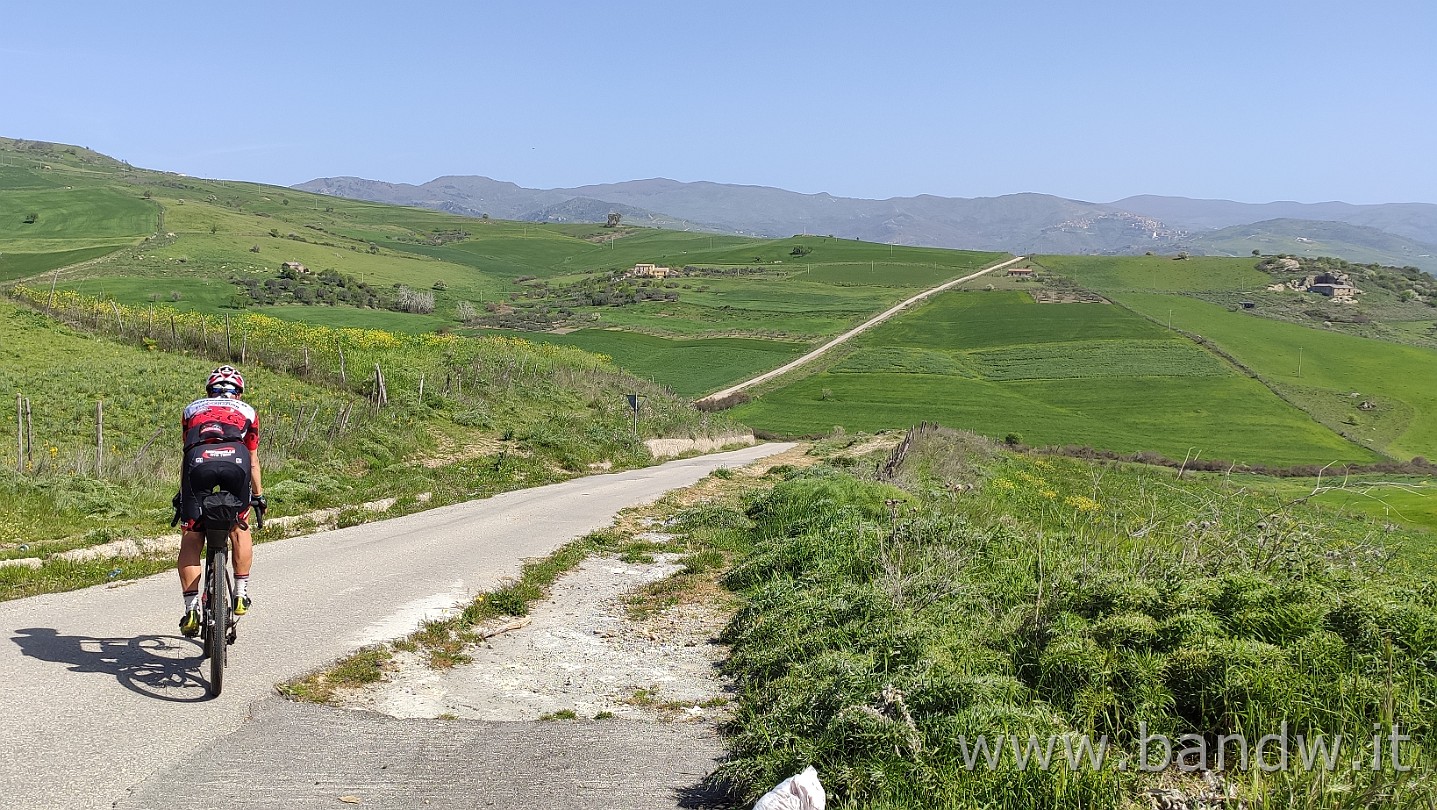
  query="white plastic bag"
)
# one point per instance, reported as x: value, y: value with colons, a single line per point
x: 799, y: 792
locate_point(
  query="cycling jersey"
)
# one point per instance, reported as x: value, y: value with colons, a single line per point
x: 220, y: 419
x: 220, y: 436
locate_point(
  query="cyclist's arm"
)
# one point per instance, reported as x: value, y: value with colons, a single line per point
x: 256, y: 482
x: 256, y: 486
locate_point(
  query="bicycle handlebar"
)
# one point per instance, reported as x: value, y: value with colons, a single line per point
x: 258, y: 516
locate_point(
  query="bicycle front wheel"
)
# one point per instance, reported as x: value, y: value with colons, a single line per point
x: 217, y: 620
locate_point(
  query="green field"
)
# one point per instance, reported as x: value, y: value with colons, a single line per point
x: 687, y: 367
x: 1054, y: 374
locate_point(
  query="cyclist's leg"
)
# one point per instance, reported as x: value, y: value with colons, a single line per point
x: 189, y: 563
x: 243, y: 551
x: 196, y: 478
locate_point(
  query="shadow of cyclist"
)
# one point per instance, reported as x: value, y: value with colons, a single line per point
x: 160, y: 667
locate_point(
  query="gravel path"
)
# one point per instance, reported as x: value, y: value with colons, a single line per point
x: 580, y: 653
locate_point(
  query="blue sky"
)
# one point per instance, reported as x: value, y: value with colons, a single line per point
x: 1252, y: 101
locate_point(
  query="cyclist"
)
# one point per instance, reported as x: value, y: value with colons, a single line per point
x: 221, y: 443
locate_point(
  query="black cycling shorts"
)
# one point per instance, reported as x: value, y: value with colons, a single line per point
x: 222, y: 465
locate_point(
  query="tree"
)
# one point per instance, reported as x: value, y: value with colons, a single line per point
x: 613, y: 220
x: 465, y: 311
x: 1256, y: 252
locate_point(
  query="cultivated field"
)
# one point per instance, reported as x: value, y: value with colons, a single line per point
x: 1090, y: 374
x: 1325, y: 372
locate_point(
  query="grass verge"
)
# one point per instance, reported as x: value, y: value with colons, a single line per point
x: 977, y: 595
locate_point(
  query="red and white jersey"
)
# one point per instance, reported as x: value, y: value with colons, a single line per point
x: 220, y: 419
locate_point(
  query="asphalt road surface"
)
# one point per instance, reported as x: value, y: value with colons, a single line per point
x: 101, y: 693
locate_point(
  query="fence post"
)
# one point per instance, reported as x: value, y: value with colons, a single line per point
x: 381, y: 396
x: 100, y: 438
x: 229, y: 352
x: 244, y: 345
x: 421, y: 389
x: 343, y: 379
x: 29, y: 435
x: 19, y: 434
x: 174, y: 333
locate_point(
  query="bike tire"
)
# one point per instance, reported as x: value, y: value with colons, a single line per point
x: 217, y: 622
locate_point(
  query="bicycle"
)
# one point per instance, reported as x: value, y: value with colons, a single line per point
x: 218, y: 630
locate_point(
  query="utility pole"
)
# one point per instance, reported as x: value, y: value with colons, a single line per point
x: 1299, y: 361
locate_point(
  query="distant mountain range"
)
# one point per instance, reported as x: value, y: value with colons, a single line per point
x: 1396, y: 233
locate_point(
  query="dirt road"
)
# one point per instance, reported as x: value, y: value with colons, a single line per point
x: 865, y: 326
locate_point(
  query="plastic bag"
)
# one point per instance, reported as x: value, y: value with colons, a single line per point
x: 799, y: 792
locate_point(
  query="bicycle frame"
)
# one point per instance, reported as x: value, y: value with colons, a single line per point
x: 217, y: 624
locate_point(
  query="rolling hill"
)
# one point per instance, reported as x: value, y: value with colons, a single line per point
x: 733, y: 306
x: 1399, y: 234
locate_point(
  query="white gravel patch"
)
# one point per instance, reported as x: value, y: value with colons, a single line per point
x: 580, y: 652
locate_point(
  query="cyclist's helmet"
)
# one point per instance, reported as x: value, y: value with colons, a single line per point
x: 224, y: 381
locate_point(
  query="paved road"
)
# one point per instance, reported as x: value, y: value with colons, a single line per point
x: 863, y: 327
x: 293, y: 756
x: 101, y: 693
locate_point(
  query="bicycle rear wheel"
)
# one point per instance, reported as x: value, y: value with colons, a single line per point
x: 217, y: 619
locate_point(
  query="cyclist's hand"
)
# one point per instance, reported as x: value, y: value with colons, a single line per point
x: 259, y: 502
x: 176, y: 502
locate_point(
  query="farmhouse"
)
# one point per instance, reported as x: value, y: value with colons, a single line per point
x: 1337, y: 292
x: 294, y: 267
x: 1333, y: 285
x: 1021, y: 272
x: 650, y: 271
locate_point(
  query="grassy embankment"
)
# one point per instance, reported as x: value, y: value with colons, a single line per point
x: 495, y: 414
x: 887, y: 627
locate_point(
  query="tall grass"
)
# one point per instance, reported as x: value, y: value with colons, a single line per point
x: 886, y: 629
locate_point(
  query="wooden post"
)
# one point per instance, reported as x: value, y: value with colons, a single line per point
x: 343, y: 379
x: 381, y: 396
x: 306, y: 359
x: 29, y: 434
x: 244, y: 345
x: 229, y: 352
x: 19, y: 434
x: 174, y: 332
x: 50, y: 305
x: 100, y: 438
x: 421, y: 389
x: 204, y: 334
x: 119, y: 319
x: 310, y: 424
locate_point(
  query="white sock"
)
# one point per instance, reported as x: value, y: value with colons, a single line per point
x: 241, y: 587
x: 192, y: 601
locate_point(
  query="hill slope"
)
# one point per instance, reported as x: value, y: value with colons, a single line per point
x: 1307, y: 237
